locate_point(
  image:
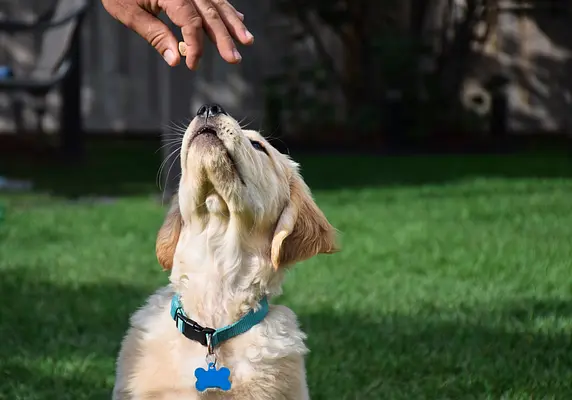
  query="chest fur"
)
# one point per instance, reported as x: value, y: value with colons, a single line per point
x: 166, y: 360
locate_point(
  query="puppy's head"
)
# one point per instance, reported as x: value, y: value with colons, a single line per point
x: 235, y: 175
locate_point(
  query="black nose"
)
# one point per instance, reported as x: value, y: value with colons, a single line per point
x: 210, y: 110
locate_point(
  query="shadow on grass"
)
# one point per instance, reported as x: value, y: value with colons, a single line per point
x: 60, y: 342
x: 487, y: 355
x: 124, y: 168
x: 339, y: 172
x: 113, y: 168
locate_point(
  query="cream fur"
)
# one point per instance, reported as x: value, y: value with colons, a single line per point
x: 240, y: 217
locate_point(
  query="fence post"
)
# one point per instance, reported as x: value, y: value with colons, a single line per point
x: 72, y: 135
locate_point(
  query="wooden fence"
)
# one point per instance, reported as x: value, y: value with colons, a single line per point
x: 127, y: 86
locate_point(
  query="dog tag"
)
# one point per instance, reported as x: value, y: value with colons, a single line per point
x: 212, y: 378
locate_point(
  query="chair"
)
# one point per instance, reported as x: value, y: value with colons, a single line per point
x: 58, y: 65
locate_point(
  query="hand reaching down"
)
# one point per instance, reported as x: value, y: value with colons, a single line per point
x: 218, y: 18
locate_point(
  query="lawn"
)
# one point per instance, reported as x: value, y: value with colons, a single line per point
x: 455, y: 279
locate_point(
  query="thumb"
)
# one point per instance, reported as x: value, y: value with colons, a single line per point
x: 154, y: 31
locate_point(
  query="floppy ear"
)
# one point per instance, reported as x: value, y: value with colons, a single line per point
x: 302, y: 230
x: 168, y: 235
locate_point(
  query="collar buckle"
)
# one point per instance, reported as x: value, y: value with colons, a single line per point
x: 193, y: 330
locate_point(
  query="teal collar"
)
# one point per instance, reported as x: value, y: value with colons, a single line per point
x: 210, y: 337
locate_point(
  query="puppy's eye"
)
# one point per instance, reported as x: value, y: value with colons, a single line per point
x: 258, y: 146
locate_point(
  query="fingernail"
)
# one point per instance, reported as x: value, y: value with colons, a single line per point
x: 240, y: 15
x: 236, y: 55
x: 169, y: 56
x: 248, y: 35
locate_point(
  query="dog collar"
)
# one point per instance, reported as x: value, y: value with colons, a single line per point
x: 210, y: 337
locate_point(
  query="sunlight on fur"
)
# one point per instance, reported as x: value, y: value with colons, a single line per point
x: 242, y: 215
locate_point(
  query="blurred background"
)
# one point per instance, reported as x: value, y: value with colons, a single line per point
x: 436, y: 135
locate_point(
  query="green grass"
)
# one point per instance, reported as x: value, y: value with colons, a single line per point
x: 455, y: 279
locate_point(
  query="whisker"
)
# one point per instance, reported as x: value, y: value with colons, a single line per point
x: 271, y: 138
x: 171, y: 167
x: 168, y: 143
x: 177, y: 123
x: 174, y: 132
x: 171, y: 141
x: 175, y: 128
x: 169, y: 173
x: 172, y: 127
x: 246, y: 125
x: 158, y: 180
x: 173, y: 137
x: 241, y: 121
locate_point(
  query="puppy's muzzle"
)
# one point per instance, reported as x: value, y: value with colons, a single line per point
x: 208, y: 114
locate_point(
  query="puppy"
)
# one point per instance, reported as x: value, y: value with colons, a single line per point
x: 242, y: 215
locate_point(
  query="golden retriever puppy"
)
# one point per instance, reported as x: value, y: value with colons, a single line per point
x: 242, y: 214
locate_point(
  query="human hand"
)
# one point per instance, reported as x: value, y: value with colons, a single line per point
x: 218, y: 18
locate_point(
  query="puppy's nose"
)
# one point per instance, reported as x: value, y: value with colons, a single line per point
x: 210, y: 110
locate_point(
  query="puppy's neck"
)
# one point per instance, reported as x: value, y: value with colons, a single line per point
x: 221, y: 272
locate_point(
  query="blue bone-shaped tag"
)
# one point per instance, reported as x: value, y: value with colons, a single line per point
x: 212, y: 378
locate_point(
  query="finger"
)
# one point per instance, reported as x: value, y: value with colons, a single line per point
x: 192, y: 61
x: 234, y: 24
x: 194, y: 52
x: 217, y: 31
x: 184, y: 14
x: 240, y: 15
x: 152, y: 29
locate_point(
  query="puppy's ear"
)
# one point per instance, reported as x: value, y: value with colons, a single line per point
x: 302, y: 230
x: 168, y: 235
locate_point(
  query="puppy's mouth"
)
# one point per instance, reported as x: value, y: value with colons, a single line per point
x: 205, y: 130
x: 211, y: 132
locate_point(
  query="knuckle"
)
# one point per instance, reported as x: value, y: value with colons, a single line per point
x: 227, y: 38
x: 211, y: 13
x: 196, y: 22
x: 155, y: 37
